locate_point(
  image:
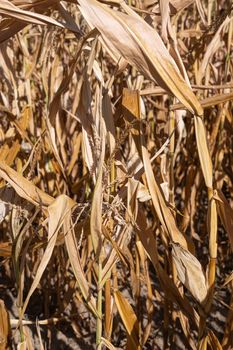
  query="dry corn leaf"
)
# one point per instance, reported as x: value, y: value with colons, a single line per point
x: 201, y: 11
x: 228, y: 280
x: 5, y: 249
x: 131, y: 101
x: 75, y: 261
x: 28, y: 338
x: 179, y: 5
x: 215, y: 43
x: 213, y: 341
x: 108, y: 344
x: 87, y: 121
x: 4, y: 327
x: 23, y: 187
x: 76, y: 148
x: 8, y: 30
x: 164, y: 213
x: 3, y: 211
x: 22, y: 345
x: 109, y: 120
x: 132, y: 203
x: 12, y: 153
x: 39, y: 336
x: 69, y: 20
x: 149, y: 243
x: 57, y: 211
x: 208, y: 101
x: 203, y: 151
x: 33, y: 65
x: 141, y: 46
x: 55, y: 105
x: 225, y: 213
x: 129, y: 319
x: 115, y: 253
x: 190, y: 272
x: 7, y: 8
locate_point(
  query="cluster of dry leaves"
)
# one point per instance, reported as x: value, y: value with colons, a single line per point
x: 116, y: 154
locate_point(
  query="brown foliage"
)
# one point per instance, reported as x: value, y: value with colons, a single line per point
x: 116, y: 172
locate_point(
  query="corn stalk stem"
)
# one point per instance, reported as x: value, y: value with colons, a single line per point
x: 212, y: 228
x: 99, y: 308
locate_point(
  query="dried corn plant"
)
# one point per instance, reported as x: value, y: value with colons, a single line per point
x: 116, y: 176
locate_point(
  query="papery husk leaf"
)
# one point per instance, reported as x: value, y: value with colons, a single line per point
x: 190, y: 272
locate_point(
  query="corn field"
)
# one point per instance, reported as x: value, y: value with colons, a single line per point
x: 116, y: 174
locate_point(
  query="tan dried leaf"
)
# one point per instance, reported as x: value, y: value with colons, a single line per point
x: 75, y: 261
x: 226, y: 215
x: 129, y: 319
x: 108, y: 344
x: 24, y: 188
x: 4, y: 327
x: 208, y: 101
x: 58, y: 210
x: 7, y: 8
x: 148, y: 240
x: 190, y: 272
x: 141, y: 46
x: 203, y: 151
x: 178, y: 5
x: 213, y: 46
x: 5, y: 249
x: 131, y: 101
x: 213, y: 341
